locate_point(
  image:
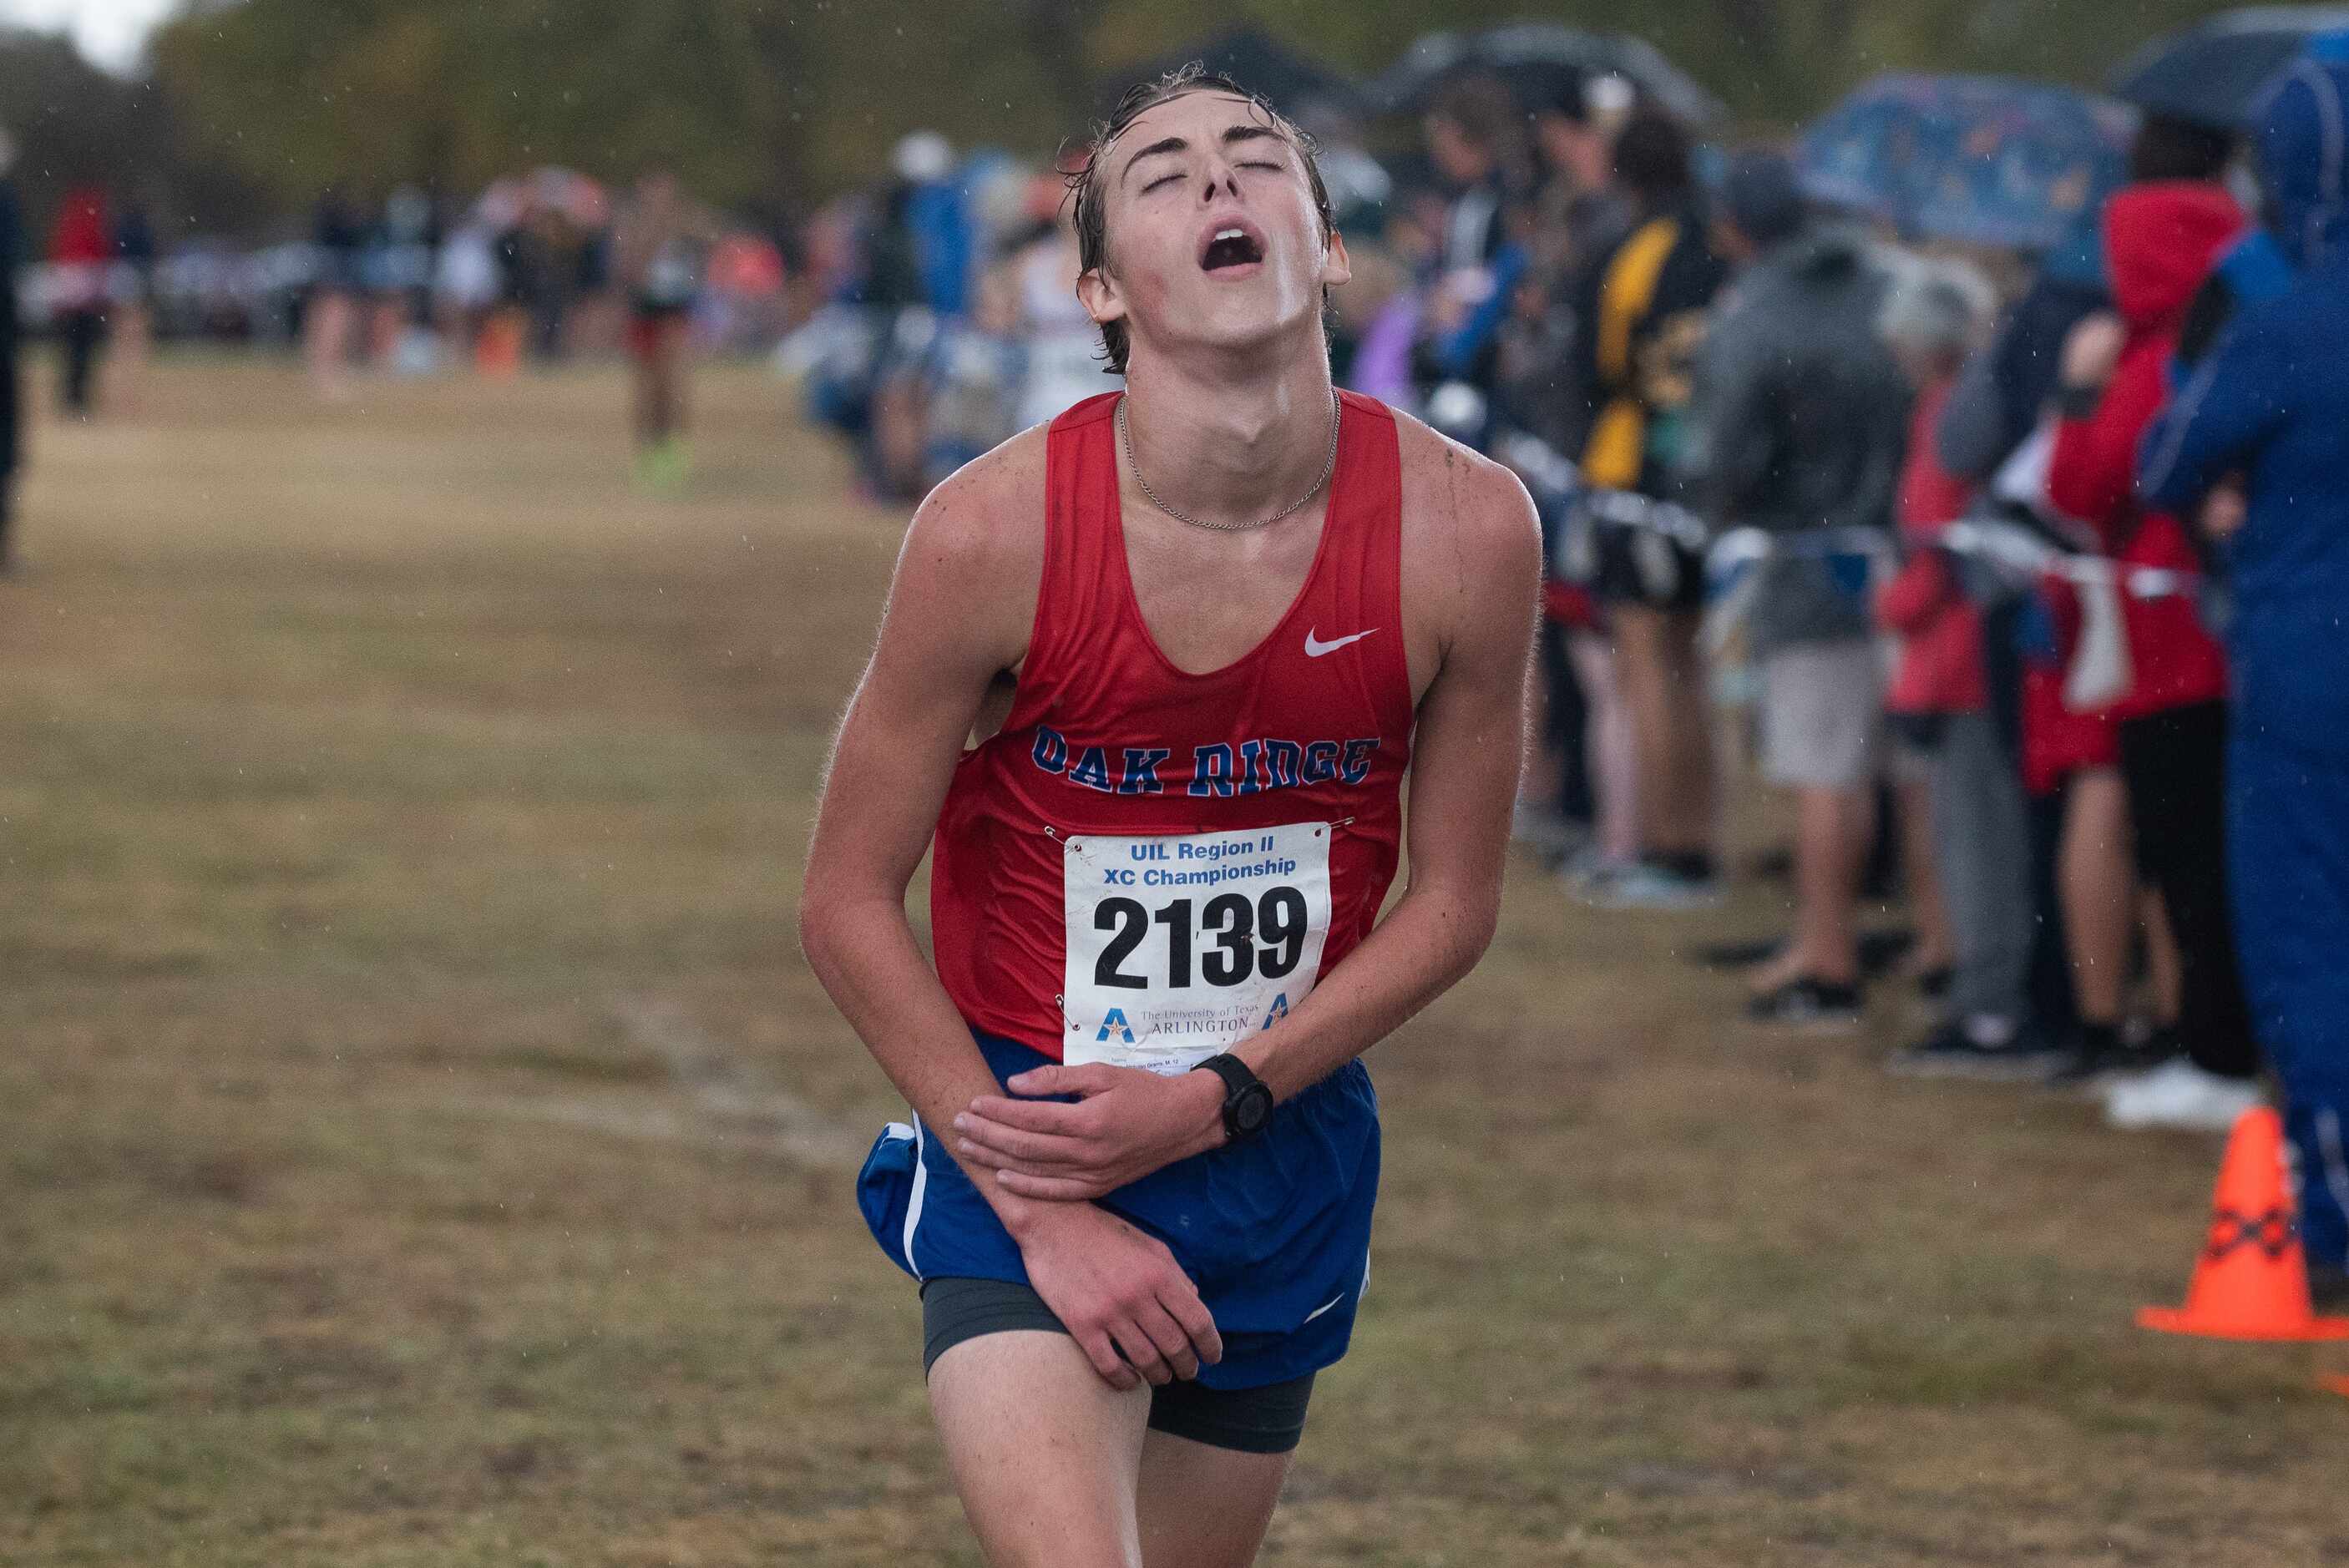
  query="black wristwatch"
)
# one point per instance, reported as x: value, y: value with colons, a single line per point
x: 1248, y: 1103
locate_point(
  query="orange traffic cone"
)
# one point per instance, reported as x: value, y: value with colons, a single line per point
x: 2250, y: 1282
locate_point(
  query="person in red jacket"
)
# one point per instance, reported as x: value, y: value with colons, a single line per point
x: 2161, y: 238
x: 81, y: 251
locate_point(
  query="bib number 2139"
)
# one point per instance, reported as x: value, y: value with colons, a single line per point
x: 1180, y: 946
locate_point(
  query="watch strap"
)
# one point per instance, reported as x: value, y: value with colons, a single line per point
x: 1240, y: 1086
x: 1236, y: 1074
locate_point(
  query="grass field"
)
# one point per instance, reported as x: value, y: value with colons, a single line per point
x: 423, y: 1144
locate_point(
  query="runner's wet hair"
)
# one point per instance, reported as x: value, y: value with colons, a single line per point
x: 1090, y: 195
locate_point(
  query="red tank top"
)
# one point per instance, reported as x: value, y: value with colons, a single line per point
x: 1177, y: 824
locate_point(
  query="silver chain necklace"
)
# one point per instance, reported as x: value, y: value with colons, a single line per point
x: 1126, y: 437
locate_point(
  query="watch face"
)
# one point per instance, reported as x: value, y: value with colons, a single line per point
x: 1253, y: 1108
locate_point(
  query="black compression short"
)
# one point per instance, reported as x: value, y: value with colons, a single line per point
x: 1265, y: 1421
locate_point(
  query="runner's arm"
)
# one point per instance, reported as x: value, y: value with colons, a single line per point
x: 957, y: 615
x: 951, y: 624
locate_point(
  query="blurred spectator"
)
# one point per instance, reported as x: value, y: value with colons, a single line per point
x: 1064, y: 362
x: 916, y: 275
x: 1997, y: 430
x: 978, y: 365
x: 1992, y: 433
x: 2255, y: 267
x: 400, y: 279
x: 2161, y: 236
x: 2073, y: 667
x: 540, y: 254
x: 330, y: 312
x: 1639, y: 317
x: 1358, y: 183
x: 1929, y: 322
x: 132, y: 293
x: 1476, y: 139
x: 1384, y: 364
x: 660, y: 245
x: 1996, y: 402
x: 919, y: 252
x: 1580, y: 780
x: 1939, y: 704
x: 1797, y: 430
x: 81, y: 260
x: 1578, y: 210
x: 467, y: 283
x: 598, y: 315
x: 1358, y: 187
x: 1577, y: 215
x: 2271, y: 402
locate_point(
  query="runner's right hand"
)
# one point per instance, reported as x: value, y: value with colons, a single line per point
x: 1118, y: 1290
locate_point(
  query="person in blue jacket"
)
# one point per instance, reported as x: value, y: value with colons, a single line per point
x: 2270, y: 401
x: 2255, y: 267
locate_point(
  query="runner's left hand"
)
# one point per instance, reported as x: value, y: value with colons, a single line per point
x: 1126, y: 1123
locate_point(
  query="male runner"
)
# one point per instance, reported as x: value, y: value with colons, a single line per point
x: 1204, y: 627
x: 660, y: 242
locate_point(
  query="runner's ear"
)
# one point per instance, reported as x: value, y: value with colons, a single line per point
x: 1100, y: 296
x: 1336, y: 269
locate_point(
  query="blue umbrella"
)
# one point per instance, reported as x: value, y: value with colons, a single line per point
x: 2212, y: 73
x: 1984, y: 160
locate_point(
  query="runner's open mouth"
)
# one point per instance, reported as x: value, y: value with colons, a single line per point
x: 1231, y: 246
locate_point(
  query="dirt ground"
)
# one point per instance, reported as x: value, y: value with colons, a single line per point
x: 421, y: 1143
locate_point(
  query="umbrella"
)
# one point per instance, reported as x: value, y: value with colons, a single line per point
x: 1259, y: 62
x: 1984, y: 161
x: 1534, y: 58
x: 2212, y: 73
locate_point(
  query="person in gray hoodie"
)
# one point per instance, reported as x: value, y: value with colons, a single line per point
x: 1798, y: 428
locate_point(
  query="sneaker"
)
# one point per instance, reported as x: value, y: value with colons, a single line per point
x: 1807, y: 1004
x: 2179, y: 1095
x: 662, y: 468
x: 1985, y: 1051
x: 2103, y: 1057
x: 1643, y: 885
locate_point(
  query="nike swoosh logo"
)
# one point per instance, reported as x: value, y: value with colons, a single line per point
x: 1341, y: 1295
x: 1315, y: 648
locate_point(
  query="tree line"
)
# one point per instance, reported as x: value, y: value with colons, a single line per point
x: 249, y: 108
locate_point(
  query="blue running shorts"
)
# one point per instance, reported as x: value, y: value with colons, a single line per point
x: 1275, y: 1230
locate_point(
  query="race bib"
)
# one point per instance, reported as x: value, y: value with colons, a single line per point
x: 1181, y: 946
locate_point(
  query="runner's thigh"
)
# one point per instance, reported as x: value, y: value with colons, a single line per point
x: 1043, y: 1452
x: 1205, y: 1507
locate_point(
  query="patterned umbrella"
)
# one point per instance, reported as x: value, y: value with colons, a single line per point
x: 1984, y: 161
